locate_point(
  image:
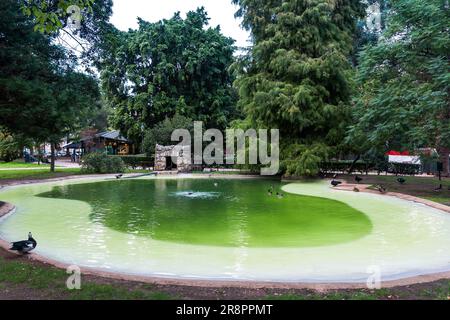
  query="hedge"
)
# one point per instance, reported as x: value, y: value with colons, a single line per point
x: 137, y: 161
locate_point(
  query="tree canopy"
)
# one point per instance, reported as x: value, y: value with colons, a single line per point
x: 173, y: 66
x: 296, y: 77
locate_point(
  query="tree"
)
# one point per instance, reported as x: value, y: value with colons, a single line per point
x: 403, y: 82
x: 169, y: 67
x: 371, y: 26
x: 76, y: 24
x: 53, y: 15
x: 10, y: 148
x: 296, y: 77
x: 41, y: 96
x: 161, y: 133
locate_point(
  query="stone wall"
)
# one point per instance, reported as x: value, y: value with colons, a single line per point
x: 161, y: 152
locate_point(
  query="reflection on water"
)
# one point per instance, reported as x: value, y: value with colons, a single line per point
x: 217, y: 212
x: 195, y: 194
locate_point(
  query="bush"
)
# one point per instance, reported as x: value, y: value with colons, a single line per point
x: 162, y: 132
x: 99, y: 162
x: 404, y: 168
x: 136, y: 161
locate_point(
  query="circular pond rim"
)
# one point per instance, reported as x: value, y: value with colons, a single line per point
x: 8, y: 209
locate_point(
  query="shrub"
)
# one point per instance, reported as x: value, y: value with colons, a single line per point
x: 9, y: 148
x: 99, y: 162
x: 161, y: 133
x: 136, y: 161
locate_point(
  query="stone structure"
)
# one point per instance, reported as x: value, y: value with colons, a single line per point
x: 163, y: 159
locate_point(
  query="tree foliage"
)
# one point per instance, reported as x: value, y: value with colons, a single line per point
x: 174, y: 66
x: 367, y: 31
x: 10, y: 148
x: 42, y: 97
x: 403, y: 81
x: 296, y: 77
x: 161, y: 133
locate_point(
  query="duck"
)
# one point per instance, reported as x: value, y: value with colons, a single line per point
x: 119, y: 176
x: 381, y: 188
x: 24, y: 246
x: 358, y: 179
x: 355, y: 189
x: 401, y: 180
x: 335, y: 183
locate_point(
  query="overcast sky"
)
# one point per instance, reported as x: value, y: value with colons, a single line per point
x: 221, y: 13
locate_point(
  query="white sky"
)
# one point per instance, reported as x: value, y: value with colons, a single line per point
x: 221, y: 12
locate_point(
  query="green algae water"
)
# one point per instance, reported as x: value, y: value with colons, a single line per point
x: 218, y: 212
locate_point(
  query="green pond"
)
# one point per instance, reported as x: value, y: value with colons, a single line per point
x: 217, y: 212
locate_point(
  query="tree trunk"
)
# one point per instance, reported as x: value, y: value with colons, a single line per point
x: 350, y: 170
x: 443, y: 157
x: 52, y: 162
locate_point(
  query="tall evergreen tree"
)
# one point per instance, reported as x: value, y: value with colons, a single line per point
x: 404, y: 81
x: 296, y: 76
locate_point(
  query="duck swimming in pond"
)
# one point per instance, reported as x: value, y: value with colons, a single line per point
x: 24, y: 246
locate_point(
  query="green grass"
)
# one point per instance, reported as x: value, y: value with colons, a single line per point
x: 439, y: 290
x: 412, y: 180
x: 37, y: 174
x: 52, y: 281
x: 20, y: 164
x: 422, y: 187
x: 40, y: 174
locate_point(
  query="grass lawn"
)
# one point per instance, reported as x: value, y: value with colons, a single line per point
x: 37, y: 174
x: 21, y: 164
x: 422, y: 187
x: 22, y: 279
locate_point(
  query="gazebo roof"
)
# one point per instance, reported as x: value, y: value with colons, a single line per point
x: 113, y: 135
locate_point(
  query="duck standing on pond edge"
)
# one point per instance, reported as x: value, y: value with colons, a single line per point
x: 24, y: 246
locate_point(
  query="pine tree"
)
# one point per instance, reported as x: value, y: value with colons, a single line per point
x: 296, y: 76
